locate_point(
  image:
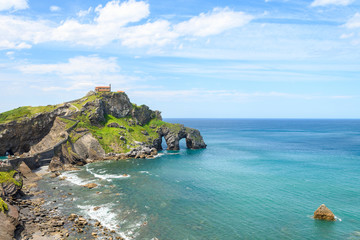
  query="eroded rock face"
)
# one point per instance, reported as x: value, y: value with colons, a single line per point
x: 117, y: 105
x: 8, y: 223
x: 18, y: 137
x: 324, y: 213
x: 9, y: 188
x: 143, y: 114
x: 88, y: 147
x: 65, y: 158
x: 172, y: 136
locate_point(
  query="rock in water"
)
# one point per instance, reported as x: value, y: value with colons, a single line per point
x: 324, y: 213
x: 90, y: 185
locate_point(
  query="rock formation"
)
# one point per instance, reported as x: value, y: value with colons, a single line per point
x: 9, y: 188
x: 323, y: 213
x: 88, y: 128
x: 9, y: 220
x: 173, y: 135
x: 19, y: 136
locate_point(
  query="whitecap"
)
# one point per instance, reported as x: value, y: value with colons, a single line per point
x: 105, y: 215
x: 106, y: 176
x: 73, y: 178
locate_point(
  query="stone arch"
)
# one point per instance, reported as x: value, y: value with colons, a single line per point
x: 172, y: 137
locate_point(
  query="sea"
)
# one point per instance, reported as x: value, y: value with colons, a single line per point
x: 257, y: 179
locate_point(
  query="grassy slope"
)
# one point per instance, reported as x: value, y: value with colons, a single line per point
x: 23, y: 112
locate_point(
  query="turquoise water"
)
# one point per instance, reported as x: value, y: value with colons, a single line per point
x: 258, y: 179
x: 2, y: 158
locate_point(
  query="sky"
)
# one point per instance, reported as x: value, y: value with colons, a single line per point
x: 186, y: 58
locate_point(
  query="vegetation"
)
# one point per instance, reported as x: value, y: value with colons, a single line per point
x: 3, y: 206
x: 82, y: 101
x: 69, y: 123
x: 112, y: 139
x: 23, y: 112
x: 118, y: 139
x: 9, y: 177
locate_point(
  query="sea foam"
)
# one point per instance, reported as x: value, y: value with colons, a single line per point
x: 106, y: 176
x: 105, y: 215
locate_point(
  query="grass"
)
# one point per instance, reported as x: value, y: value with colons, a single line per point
x: 109, y: 137
x: 82, y: 101
x: 3, y: 206
x: 23, y: 112
x: 69, y: 123
x: 8, y: 177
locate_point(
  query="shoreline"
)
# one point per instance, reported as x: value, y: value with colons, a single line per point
x: 40, y: 219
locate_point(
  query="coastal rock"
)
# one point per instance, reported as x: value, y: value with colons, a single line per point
x: 175, y: 133
x: 8, y: 222
x: 88, y: 147
x: 19, y: 136
x: 90, y: 185
x: 65, y: 157
x: 324, y: 213
x: 10, y: 188
x: 27, y: 173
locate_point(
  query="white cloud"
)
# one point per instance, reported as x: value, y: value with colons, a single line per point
x: 5, y: 44
x: 215, y: 22
x: 110, y: 24
x: 78, y: 65
x: 55, y: 8
x: 317, y: 3
x: 20, y: 33
x: 78, y: 73
x: 353, y: 22
x: 156, y: 34
x: 83, y: 13
x: 118, y: 14
x: 13, y: 5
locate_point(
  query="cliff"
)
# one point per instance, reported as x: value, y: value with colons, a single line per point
x: 92, y: 127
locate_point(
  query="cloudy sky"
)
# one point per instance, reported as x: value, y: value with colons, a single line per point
x: 187, y: 58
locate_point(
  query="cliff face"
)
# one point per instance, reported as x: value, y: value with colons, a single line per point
x: 19, y: 136
x: 89, y: 127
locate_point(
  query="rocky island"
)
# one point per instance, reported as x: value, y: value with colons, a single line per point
x: 101, y: 125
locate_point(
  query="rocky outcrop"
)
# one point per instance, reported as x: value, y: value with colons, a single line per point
x: 11, y: 187
x: 27, y: 173
x: 175, y: 133
x: 56, y: 134
x: 19, y: 136
x: 65, y: 158
x: 69, y: 154
x: 324, y: 213
x: 73, y: 138
x: 143, y: 114
x: 87, y: 147
x: 8, y: 222
x: 117, y: 105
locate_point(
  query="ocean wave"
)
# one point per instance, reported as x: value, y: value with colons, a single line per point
x: 105, y: 215
x: 106, y: 176
x: 73, y: 178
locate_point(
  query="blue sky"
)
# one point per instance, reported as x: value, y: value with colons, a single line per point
x: 222, y: 59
